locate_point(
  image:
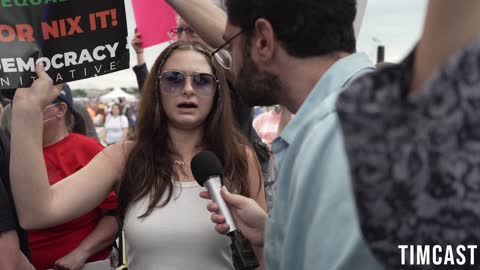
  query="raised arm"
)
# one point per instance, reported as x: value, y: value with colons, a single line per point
x: 137, y: 43
x: 38, y: 204
x: 449, y: 26
x: 140, y: 69
x: 207, y: 19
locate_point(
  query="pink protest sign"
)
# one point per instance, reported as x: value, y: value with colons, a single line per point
x: 154, y: 19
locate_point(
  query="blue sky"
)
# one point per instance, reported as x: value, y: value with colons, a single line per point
x: 397, y: 24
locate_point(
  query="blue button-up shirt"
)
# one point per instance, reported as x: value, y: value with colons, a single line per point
x: 313, y: 223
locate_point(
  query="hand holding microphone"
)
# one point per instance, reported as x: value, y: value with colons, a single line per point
x: 249, y: 216
x: 208, y: 170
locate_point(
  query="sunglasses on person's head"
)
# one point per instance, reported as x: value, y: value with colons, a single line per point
x: 172, y: 82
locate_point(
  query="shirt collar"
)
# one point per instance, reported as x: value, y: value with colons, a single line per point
x: 338, y: 76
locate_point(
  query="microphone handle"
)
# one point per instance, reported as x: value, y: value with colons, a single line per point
x: 242, y: 252
x: 214, y: 184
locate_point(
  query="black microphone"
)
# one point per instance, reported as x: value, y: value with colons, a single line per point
x: 208, y: 172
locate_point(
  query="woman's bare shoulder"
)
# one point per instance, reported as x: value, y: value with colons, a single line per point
x: 118, y: 152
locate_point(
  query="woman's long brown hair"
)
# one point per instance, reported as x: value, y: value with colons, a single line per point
x: 149, y: 168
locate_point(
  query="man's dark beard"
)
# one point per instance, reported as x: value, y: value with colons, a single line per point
x: 256, y: 87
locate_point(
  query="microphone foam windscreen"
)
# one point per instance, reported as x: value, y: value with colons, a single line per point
x: 205, y: 165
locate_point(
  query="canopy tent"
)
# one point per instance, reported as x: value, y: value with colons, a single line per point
x: 116, y: 93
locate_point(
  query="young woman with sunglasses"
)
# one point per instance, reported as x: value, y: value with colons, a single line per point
x: 185, y: 109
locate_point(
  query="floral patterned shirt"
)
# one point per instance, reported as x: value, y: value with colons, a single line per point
x: 415, y: 159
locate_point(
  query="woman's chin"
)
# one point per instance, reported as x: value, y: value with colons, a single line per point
x: 186, y: 122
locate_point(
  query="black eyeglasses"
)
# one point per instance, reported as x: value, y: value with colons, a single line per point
x: 172, y: 82
x: 220, y: 53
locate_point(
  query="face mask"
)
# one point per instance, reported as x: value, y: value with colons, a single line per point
x: 46, y: 120
x: 51, y: 118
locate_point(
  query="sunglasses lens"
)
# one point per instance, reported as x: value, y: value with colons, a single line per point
x: 204, y: 84
x: 172, y: 82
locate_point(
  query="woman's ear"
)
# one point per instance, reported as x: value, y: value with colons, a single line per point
x: 61, y: 109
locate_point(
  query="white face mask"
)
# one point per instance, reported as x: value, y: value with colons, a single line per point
x: 46, y: 120
x: 51, y: 118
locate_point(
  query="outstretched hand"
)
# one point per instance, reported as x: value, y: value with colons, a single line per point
x: 249, y: 216
x: 40, y: 94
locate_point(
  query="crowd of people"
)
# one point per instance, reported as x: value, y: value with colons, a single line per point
x: 347, y: 163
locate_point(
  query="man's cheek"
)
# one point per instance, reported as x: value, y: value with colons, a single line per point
x: 236, y: 62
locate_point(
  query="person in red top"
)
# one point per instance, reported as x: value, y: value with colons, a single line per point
x: 85, y: 239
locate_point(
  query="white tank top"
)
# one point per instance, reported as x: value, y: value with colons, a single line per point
x: 179, y: 235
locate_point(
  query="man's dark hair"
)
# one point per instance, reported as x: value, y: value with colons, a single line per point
x: 305, y: 27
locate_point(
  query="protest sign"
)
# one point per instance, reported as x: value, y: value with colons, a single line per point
x: 154, y: 18
x: 73, y: 39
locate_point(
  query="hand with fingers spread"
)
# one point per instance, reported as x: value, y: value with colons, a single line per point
x: 40, y: 94
x: 250, y: 218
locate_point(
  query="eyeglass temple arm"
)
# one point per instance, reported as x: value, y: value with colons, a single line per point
x: 226, y: 43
